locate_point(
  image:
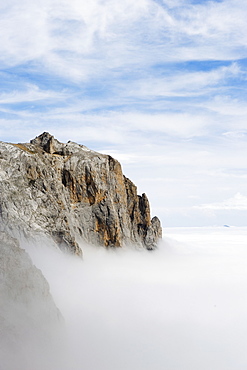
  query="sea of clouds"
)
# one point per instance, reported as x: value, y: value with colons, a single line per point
x: 182, y: 306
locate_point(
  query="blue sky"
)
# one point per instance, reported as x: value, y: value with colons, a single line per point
x: 160, y: 85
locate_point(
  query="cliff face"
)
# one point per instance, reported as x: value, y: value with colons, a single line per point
x: 69, y: 192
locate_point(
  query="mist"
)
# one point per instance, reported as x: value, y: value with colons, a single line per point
x: 182, y: 306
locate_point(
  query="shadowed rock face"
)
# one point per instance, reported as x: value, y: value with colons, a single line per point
x: 69, y: 192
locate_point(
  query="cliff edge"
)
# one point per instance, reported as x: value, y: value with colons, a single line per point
x: 71, y: 193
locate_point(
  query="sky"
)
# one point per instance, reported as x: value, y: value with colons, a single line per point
x: 158, y: 84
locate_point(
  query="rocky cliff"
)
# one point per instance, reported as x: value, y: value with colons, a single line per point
x: 71, y: 193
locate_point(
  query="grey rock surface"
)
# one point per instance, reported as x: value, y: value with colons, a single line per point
x: 70, y: 193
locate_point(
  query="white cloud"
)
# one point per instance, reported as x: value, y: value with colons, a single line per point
x: 216, y: 21
x: 227, y: 106
x: 30, y: 93
x: 120, y: 127
x: 186, y: 83
x: 237, y: 202
x: 78, y: 39
x: 134, y: 129
x: 238, y: 135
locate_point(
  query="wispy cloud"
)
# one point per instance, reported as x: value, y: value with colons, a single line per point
x: 59, y: 34
x: 186, y: 84
x: 30, y: 93
x: 160, y: 83
x: 237, y: 202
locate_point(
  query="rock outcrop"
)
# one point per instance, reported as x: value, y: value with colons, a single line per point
x: 71, y: 193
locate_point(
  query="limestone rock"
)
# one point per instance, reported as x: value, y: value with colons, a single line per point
x: 69, y: 192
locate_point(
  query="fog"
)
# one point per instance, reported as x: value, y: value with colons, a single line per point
x: 182, y: 306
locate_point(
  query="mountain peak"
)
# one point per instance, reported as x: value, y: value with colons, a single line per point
x: 47, y: 142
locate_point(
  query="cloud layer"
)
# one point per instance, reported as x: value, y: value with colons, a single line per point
x: 181, y: 306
